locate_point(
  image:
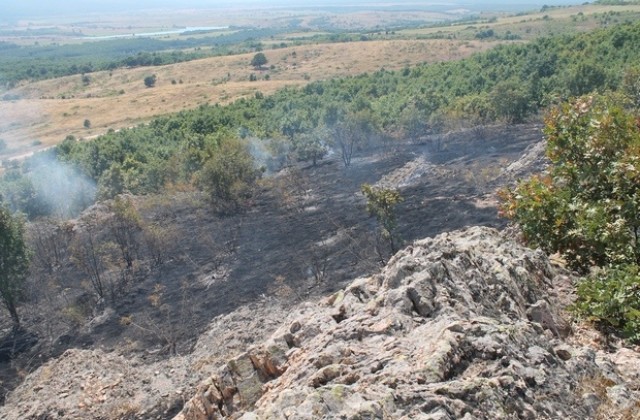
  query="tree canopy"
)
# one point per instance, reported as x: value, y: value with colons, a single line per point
x: 350, y: 112
x: 14, y: 262
x: 259, y: 60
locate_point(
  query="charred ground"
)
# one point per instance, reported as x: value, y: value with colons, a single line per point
x: 305, y: 234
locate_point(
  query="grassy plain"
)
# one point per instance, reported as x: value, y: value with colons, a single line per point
x: 552, y: 21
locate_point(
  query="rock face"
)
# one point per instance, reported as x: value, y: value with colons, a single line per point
x: 93, y: 384
x: 464, y: 325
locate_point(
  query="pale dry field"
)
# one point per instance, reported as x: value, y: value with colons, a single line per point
x: 535, y: 24
x: 50, y: 110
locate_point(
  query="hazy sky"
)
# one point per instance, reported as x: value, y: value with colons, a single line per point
x: 27, y: 8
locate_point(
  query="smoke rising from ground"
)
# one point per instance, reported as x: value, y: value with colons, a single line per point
x: 64, y: 190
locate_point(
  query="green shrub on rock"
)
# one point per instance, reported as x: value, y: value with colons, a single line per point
x: 611, y: 298
x: 587, y: 206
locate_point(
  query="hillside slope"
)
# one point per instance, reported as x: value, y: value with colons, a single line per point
x: 464, y: 325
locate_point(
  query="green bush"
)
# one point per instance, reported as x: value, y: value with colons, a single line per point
x: 150, y: 81
x: 611, y: 299
x: 587, y: 207
x: 228, y: 176
x: 382, y: 203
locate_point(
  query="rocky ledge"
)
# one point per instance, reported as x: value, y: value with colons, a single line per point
x: 462, y: 326
x: 466, y: 325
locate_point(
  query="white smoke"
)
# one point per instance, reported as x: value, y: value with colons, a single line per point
x: 270, y: 155
x: 64, y: 189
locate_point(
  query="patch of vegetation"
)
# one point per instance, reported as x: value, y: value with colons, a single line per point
x: 228, y: 176
x: 381, y: 203
x: 259, y: 60
x: 150, y: 81
x: 587, y: 206
x: 611, y: 299
x: 352, y: 112
x: 51, y: 61
x: 14, y: 262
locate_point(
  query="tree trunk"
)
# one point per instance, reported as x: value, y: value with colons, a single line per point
x: 11, y: 307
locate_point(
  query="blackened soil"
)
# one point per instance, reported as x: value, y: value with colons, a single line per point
x: 305, y: 234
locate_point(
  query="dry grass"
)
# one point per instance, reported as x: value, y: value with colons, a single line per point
x: 529, y: 26
x: 52, y: 109
x: 598, y: 386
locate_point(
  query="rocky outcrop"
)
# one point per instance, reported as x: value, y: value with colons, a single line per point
x: 94, y: 384
x: 464, y: 325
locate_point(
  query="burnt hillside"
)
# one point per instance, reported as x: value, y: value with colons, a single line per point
x: 305, y: 234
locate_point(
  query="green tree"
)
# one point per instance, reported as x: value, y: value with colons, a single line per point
x: 381, y: 203
x: 631, y: 85
x: 311, y: 146
x: 588, y: 206
x: 413, y: 122
x: 14, y: 262
x: 111, y: 183
x: 259, y: 60
x: 228, y: 175
x: 353, y: 133
x: 150, y: 81
x: 511, y: 101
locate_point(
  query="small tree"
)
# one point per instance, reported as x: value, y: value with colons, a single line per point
x: 259, y: 60
x: 228, y: 175
x: 88, y: 255
x: 150, y: 81
x: 587, y: 207
x: 353, y: 133
x: 87, y: 124
x: 381, y: 203
x: 14, y: 262
x: 124, y: 226
x: 310, y: 146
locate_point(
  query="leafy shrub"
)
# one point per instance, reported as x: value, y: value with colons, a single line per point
x: 611, y: 299
x: 150, y: 81
x: 229, y: 175
x: 587, y: 207
x: 382, y: 203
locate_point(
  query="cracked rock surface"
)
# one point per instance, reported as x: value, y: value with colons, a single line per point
x: 464, y: 325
